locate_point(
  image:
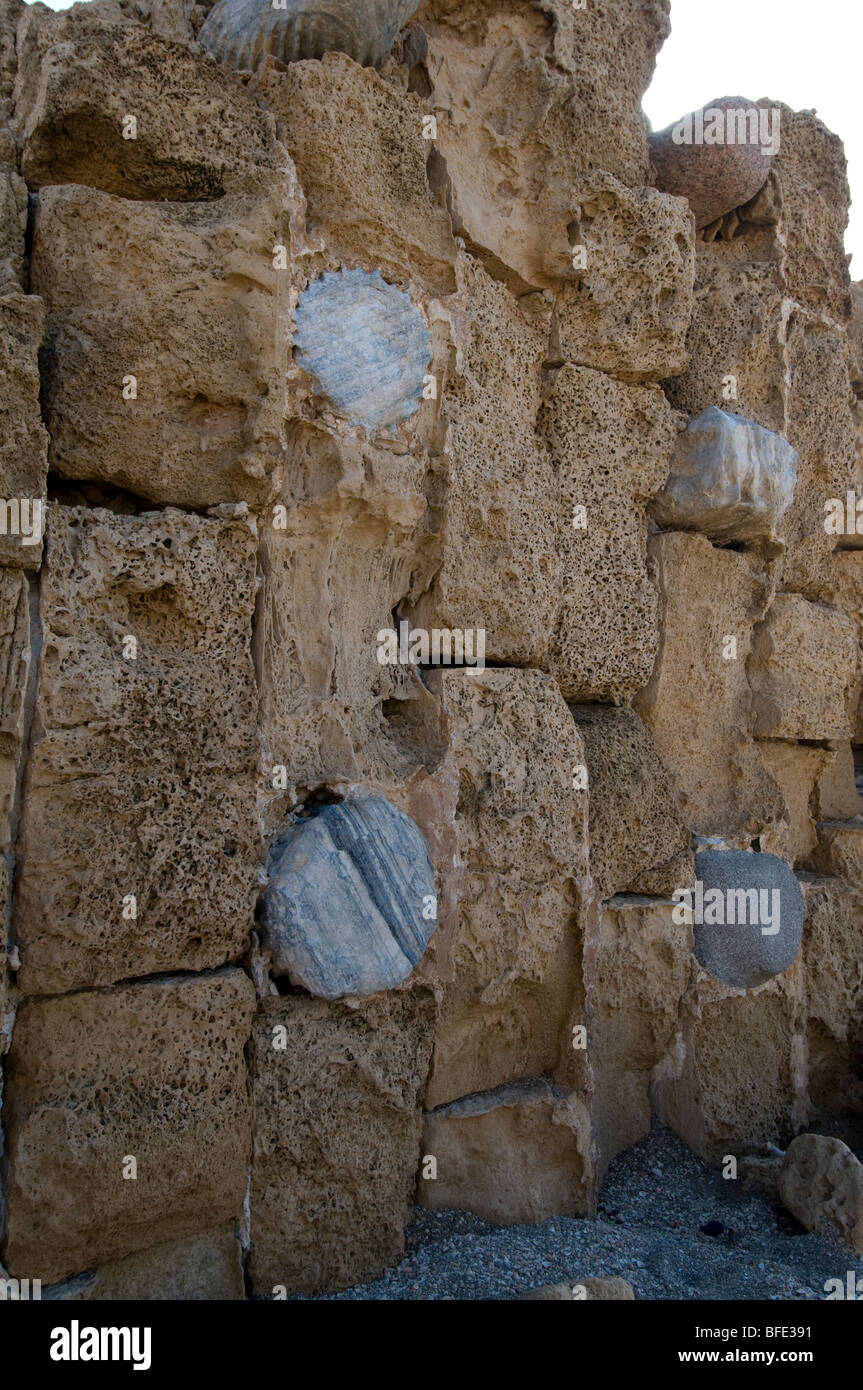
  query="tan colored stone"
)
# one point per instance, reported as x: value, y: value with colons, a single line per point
x: 358, y: 146
x: 525, y: 100
x: 513, y: 969
x: 337, y: 1136
x: 697, y: 703
x: 837, y: 797
x: 80, y: 76
x: 582, y: 1290
x: 517, y: 1154
x: 839, y: 850
x: 642, y: 967
x: 185, y: 299
x: 206, y: 1267
x: 16, y: 656
x: 795, y: 769
x: 717, y: 176
x: 628, y: 311
x: 821, y: 1183
x: 142, y: 779
x: 497, y: 518
x: 633, y: 826
x: 23, y: 441
x: 811, y: 171
x: 832, y: 965
x: 13, y: 219
x: 611, y: 445
x: 803, y: 671
x: 152, y: 1071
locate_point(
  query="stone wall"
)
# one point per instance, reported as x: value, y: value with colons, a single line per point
x: 308, y: 353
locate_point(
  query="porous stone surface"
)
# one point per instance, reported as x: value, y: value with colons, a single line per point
x: 366, y: 346
x: 165, y: 367
x: 242, y: 33
x: 23, y: 440
x: 821, y: 1183
x: 511, y: 1155
x: 159, y: 1078
x: 752, y: 913
x: 715, y: 173
x: 633, y: 826
x: 730, y: 479
x: 803, y: 671
x: 350, y: 902
x: 200, y: 1268
x: 139, y: 846
x: 345, y: 1083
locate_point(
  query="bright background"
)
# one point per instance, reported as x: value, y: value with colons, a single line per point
x: 805, y: 53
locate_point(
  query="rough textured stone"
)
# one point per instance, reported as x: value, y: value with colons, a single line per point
x: 366, y: 345
x: 185, y: 299
x: 633, y: 826
x: 516, y: 1154
x: 142, y: 779
x: 642, y: 964
x: 627, y: 311
x: 241, y: 33
x: 610, y: 445
x: 152, y: 1071
x: 13, y: 223
x: 584, y: 1290
x: 796, y: 769
x: 337, y: 1137
x: 811, y: 171
x: 803, y: 671
x: 349, y: 904
x: 199, y: 1268
x: 79, y: 79
x: 697, y: 704
x: 16, y: 662
x: 729, y: 478
x: 23, y: 441
x: 722, y: 175
x: 744, y: 940
x: 357, y: 143
x: 512, y: 969
x: 821, y: 1183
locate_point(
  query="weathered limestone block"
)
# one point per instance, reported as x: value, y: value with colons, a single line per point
x: 837, y: 797
x: 642, y: 969
x: 734, y: 1082
x: 610, y: 444
x: 333, y: 577
x: 751, y: 914
x: 736, y: 340
x: 360, y: 156
x: 803, y: 670
x: 520, y: 1153
x: 796, y: 769
x: 821, y: 427
x: 839, y: 850
x: 139, y: 841
x: 633, y: 826
x: 350, y: 903
x: 526, y: 100
x: 366, y: 346
x: 821, y: 1183
x: 241, y: 33
x: 628, y: 310
x: 833, y: 966
x: 166, y: 341
x: 582, y: 1290
x: 152, y: 1071
x: 16, y: 656
x: 206, y: 1267
x: 498, y: 514
x: 730, y: 479
x: 697, y: 704
x: 80, y: 78
x: 13, y: 217
x: 337, y: 1137
x: 811, y: 171
x: 717, y: 157
x: 515, y: 965
x: 23, y: 441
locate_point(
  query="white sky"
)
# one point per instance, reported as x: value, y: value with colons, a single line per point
x: 805, y: 53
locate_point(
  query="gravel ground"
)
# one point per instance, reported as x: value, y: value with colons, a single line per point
x: 654, y: 1199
